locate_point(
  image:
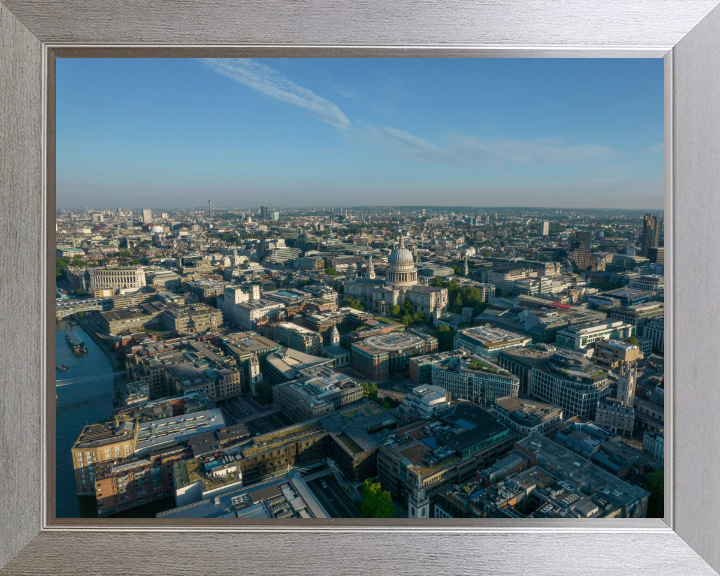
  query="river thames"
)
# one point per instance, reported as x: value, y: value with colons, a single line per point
x: 84, y: 396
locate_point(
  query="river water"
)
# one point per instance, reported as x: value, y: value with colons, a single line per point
x: 85, y: 399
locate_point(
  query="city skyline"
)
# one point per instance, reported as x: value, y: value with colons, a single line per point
x: 559, y: 134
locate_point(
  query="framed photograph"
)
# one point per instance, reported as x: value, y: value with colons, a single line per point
x: 359, y: 287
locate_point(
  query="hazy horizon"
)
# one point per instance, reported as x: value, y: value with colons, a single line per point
x: 304, y: 133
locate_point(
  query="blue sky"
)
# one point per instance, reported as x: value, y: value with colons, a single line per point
x: 171, y: 133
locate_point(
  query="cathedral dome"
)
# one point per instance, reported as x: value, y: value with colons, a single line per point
x: 401, y: 255
x: 401, y: 271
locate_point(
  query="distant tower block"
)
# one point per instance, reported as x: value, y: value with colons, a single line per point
x: 210, y: 208
x: 465, y: 267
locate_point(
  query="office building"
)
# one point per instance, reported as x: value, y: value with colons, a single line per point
x: 116, y: 278
x: 504, y: 278
x: 424, y: 401
x: 638, y: 314
x: 650, y: 234
x: 614, y: 416
x: 590, y: 479
x: 525, y: 417
x: 657, y: 255
x: 420, y: 367
x: 520, y: 361
x: 288, y: 364
x: 251, y: 315
x: 654, y: 330
x: 156, y: 434
x: 570, y: 381
x: 613, y: 353
x: 421, y: 460
x: 650, y: 283
x: 251, y: 351
x: 625, y: 263
x: 536, y: 317
x: 378, y: 357
x: 319, y: 391
x: 475, y: 379
x: 343, y: 319
x: 146, y: 216
x: 284, y: 496
x: 125, y: 483
x: 298, y: 338
x: 583, y: 336
x: 584, y: 238
x: 183, y: 367
x: 204, y: 288
x: 545, y: 230
x: 190, y: 319
x: 654, y: 445
x: 488, y: 342
x: 98, y: 443
x: 628, y: 296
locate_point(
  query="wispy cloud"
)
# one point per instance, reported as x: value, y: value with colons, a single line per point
x: 380, y: 106
x: 457, y: 149
x: 467, y: 150
x: 403, y: 145
x: 271, y: 83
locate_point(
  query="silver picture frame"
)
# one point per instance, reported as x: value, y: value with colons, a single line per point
x: 686, y: 33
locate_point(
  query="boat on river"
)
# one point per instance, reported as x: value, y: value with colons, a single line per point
x: 62, y: 367
x: 76, y: 343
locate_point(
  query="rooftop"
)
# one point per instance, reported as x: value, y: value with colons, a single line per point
x: 490, y: 337
x: 527, y: 412
x: 284, y: 496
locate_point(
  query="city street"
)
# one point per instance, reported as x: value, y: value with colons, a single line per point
x: 334, y: 498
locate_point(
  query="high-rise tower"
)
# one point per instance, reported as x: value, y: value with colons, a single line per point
x: 210, y: 208
x: 650, y: 234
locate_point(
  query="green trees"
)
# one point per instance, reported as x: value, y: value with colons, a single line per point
x: 395, y: 311
x: 370, y: 391
x: 60, y: 265
x: 352, y: 303
x: 445, y: 337
x: 632, y: 340
x: 264, y: 393
x: 655, y: 484
x: 377, y: 502
x: 407, y: 319
x: 437, y: 282
x: 330, y: 271
x: 407, y: 307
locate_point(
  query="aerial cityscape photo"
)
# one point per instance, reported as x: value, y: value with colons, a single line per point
x: 359, y: 288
